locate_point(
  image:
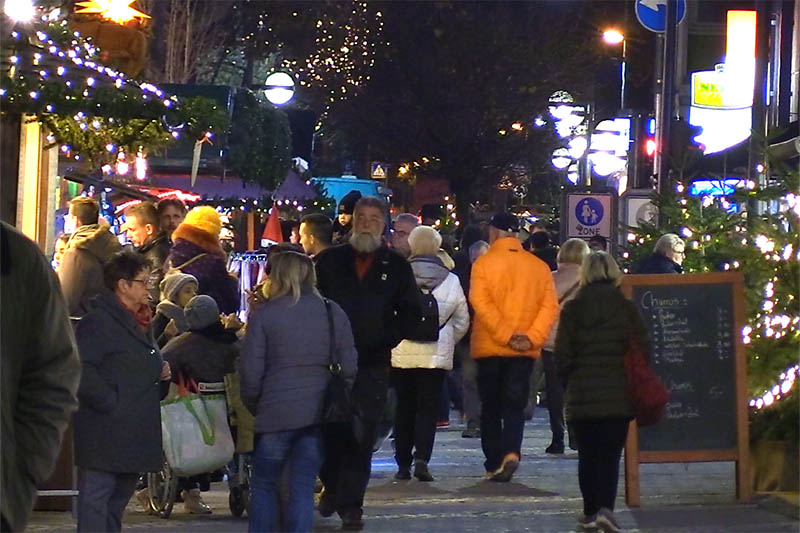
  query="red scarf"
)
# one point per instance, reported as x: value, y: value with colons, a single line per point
x: 363, y: 264
x: 143, y: 317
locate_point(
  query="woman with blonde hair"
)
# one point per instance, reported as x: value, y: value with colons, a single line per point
x: 285, y: 373
x: 419, y: 368
x: 593, y: 335
x: 567, y: 280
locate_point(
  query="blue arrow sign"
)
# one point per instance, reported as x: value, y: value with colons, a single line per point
x: 653, y: 13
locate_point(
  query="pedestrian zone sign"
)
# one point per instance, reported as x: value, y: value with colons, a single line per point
x: 378, y: 171
x: 589, y: 214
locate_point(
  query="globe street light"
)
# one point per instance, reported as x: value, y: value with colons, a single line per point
x: 279, y: 88
x: 615, y: 37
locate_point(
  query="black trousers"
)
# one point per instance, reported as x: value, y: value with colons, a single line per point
x: 503, y: 385
x: 418, y: 391
x: 555, y: 396
x: 600, y: 443
x: 469, y: 385
x: 346, y: 469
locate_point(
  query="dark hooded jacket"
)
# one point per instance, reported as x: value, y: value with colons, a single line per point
x: 81, y: 270
x: 211, y: 270
x: 204, y: 355
x: 591, y: 342
x: 118, y: 423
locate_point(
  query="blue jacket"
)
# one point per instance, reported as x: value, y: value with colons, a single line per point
x: 284, y: 361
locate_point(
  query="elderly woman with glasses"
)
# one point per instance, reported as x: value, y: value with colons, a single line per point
x: 667, y: 257
x: 118, y: 423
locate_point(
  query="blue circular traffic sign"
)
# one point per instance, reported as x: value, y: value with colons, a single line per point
x: 653, y: 13
x: 589, y: 211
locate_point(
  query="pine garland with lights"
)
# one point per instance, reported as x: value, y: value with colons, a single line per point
x: 94, y: 112
x: 721, y: 237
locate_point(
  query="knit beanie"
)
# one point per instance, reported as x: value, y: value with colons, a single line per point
x: 201, y: 312
x: 348, y: 203
x: 172, y: 284
x: 205, y: 218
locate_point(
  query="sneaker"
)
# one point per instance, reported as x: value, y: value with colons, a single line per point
x: 556, y: 448
x: 507, y: 469
x: 403, y: 474
x: 587, y: 523
x: 607, y: 522
x: 327, y: 504
x: 443, y: 424
x: 421, y: 471
x: 143, y: 499
x: 351, y: 520
x: 473, y: 431
x: 193, y: 503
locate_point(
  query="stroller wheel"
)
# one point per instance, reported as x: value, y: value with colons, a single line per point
x: 238, y: 500
x: 162, y: 487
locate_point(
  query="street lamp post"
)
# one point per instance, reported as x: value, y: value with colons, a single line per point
x: 614, y: 37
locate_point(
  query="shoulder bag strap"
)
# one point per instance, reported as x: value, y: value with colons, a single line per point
x: 334, y: 363
x: 570, y: 291
x: 190, y: 261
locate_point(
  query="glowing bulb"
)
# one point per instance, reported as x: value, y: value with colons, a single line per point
x: 20, y: 10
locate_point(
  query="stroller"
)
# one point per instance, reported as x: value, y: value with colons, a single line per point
x: 162, y: 486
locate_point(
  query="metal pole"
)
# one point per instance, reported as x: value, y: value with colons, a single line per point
x: 759, y: 112
x: 667, y: 96
x: 624, y: 74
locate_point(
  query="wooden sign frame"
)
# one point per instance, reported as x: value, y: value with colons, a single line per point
x: 740, y: 454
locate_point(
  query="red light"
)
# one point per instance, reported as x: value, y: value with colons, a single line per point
x: 650, y: 147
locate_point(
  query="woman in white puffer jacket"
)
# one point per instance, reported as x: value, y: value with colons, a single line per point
x: 419, y: 368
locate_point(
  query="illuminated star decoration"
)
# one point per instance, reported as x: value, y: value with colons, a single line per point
x: 119, y: 11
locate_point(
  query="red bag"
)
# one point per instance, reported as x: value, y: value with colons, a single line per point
x: 647, y: 392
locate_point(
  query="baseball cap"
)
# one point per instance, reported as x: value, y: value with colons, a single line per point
x: 505, y: 222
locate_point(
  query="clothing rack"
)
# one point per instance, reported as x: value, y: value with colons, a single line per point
x: 251, y: 269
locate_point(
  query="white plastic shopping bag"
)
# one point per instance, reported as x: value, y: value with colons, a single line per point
x: 195, y: 434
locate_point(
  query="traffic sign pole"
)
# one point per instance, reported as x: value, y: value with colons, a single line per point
x: 667, y: 97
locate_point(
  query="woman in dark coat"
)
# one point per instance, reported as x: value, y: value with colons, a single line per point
x: 197, y: 251
x: 667, y: 257
x: 284, y: 372
x: 591, y: 342
x: 118, y: 423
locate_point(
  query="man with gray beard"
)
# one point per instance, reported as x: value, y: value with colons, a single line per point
x: 375, y: 287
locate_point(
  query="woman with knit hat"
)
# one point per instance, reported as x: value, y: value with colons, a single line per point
x: 197, y: 251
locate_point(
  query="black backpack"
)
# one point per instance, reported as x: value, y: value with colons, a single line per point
x: 427, y: 329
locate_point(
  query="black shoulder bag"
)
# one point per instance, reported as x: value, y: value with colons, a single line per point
x: 339, y: 413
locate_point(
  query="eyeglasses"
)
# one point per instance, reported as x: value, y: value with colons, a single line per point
x: 680, y: 252
x: 142, y: 281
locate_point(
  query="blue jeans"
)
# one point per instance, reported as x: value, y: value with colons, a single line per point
x: 302, y: 450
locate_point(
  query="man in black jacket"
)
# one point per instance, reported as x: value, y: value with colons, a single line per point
x: 144, y: 232
x: 375, y: 287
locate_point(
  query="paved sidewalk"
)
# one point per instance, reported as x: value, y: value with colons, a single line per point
x: 544, y: 496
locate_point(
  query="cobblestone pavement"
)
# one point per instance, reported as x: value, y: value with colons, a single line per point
x: 543, y: 496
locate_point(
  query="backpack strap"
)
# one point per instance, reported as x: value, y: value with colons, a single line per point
x: 335, y: 367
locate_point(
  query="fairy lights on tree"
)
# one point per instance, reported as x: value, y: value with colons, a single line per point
x: 721, y: 236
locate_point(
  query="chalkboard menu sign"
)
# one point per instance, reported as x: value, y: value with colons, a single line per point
x: 694, y: 322
x: 691, y: 329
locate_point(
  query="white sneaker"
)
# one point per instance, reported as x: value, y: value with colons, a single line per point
x: 587, y: 523
x: 607, y: 522
x: 193, y: 503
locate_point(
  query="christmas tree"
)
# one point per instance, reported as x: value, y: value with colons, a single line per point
x: 752, y: 229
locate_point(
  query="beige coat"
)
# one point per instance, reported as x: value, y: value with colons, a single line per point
x: 566, y: 278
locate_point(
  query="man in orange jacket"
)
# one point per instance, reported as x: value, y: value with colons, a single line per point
x: 515, y: 305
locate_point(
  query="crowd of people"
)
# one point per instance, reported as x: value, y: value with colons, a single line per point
x: 164, y: 308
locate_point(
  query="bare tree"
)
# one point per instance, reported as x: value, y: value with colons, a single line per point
x: 185, y: 34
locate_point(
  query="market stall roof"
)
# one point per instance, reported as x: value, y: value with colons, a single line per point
x: 120, y: 188
x: 294, y: 188
x: 210, y: 187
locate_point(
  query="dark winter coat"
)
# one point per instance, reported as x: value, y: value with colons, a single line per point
x: 382, y: 308
x: 211, y: 270
x: 204, y: 355
x: 285, y: 358
x: 156, y: 251
x: 40, y: 373
x: 549, y: 255
x: 590, y: 347
x: 81, y: 269
x: 658, y: 264
x: 118, y: 424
